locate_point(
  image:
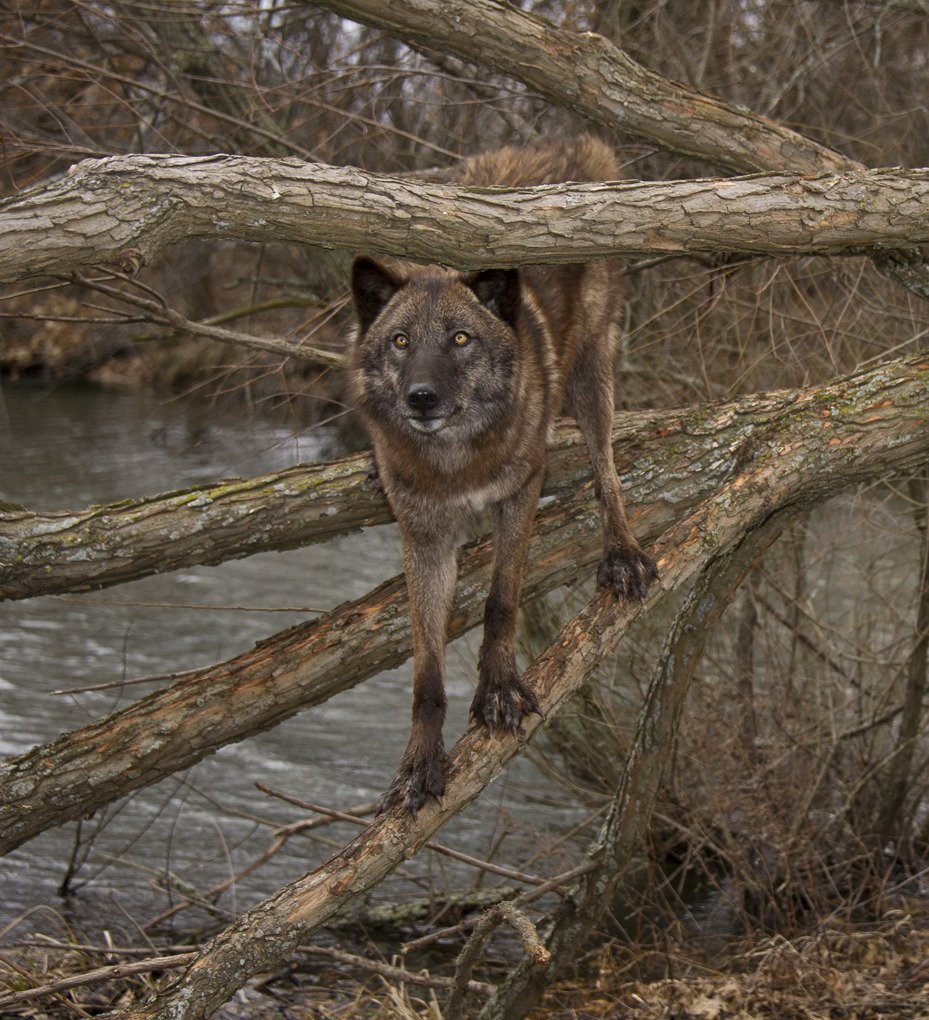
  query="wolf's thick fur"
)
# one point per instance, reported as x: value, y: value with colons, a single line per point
x: 458, y: 377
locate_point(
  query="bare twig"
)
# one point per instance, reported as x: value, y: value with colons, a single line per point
x: 92, y: 977
x: 554, y: 884
x: 158, y: 311
x: 532, y: 946
x: 391, y: 972
x: 446, y: 851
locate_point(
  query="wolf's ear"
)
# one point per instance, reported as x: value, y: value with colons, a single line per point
x: 497, y: 290
x: 373, y: 285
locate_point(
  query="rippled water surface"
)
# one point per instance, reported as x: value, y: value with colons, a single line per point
x: 71, y: 447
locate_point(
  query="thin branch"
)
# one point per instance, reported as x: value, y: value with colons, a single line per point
x: 554, y: 884
x: 469, y: 956
x: 159, y: 312
x: 92, y: 977
x: 391, y: 972
x: 439, y: 848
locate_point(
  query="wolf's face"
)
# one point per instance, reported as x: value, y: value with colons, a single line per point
x: 436, y: 350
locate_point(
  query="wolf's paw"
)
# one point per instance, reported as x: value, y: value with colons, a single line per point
x: 421, y: 775
x: 502, y: 705
x: 627, y: 571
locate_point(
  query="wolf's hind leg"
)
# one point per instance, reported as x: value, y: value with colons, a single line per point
x: 502, y: 700
x: 625, y: 568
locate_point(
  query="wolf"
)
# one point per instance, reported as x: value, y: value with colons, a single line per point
x: 458, y: 377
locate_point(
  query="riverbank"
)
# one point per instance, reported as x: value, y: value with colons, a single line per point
x: 867, y: 972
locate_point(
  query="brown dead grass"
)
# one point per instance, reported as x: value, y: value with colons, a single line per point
x: 862, y: 973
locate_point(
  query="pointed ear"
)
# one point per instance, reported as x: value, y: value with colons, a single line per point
x: 497, y: 290
x: 373, y: 285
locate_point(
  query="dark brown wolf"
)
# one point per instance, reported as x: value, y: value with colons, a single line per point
x: 458, y: 377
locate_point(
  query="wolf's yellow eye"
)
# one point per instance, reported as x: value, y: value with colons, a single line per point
x: 401, y: 340
x: 461, y: 338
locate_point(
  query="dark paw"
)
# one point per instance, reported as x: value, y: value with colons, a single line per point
x: 628, y: 572
x: 419, y: 777
x: 503, y: 706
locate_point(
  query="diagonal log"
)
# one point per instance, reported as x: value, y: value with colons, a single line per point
x: 126, y: 209
x: 877, y: 418
x: 627, y: 820
x: 588, y: 74
x: 814, y: 457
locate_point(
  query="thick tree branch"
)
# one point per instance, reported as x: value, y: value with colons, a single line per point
x: 799, y: 462
x: 588, y: 74
x: 861, y: 427
x: 126, y: 209
x: 47, y: 553
x: 652, y: 746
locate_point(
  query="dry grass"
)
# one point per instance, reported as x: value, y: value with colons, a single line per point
x: 866, y: 973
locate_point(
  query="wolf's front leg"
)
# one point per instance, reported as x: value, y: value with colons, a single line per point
x: 502, y: 699
x: 431, y: 567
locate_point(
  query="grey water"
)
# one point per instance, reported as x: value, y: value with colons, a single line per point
x: 71, y: 447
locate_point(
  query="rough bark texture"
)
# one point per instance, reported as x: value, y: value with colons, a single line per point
x: 46, y: 553
x: 67, y: 551
x: 123, y: 210
x: 588, y: 74
x: 676, y: 459
x: 872, y: 424
x: 637, y: 791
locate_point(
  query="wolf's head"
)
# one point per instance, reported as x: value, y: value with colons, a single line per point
x: 436, y: 350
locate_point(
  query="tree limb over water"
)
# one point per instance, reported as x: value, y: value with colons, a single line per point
x: 859, y: 429
x: 863, y: 427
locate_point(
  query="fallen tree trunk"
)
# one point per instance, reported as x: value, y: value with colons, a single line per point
x: 626, y: 823
x: 796, y: 462
x: 881, y: 415
x: 126, y: 209
x: 79, y: 550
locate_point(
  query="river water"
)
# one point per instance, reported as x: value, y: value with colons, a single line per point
x: 69, y: 447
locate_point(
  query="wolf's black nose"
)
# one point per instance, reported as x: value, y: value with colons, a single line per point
x: 421, y: 397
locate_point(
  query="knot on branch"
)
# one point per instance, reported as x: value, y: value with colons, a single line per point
x: 130, y: 261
